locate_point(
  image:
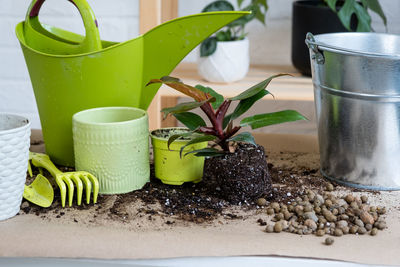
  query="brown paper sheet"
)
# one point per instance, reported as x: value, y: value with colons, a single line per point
x: 31, y: 236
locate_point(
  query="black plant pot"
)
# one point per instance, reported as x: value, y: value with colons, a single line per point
x: 314, y: 17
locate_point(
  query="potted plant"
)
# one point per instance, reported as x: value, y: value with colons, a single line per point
x: 235, y: 163
x: 169, y: 166
x: 327, y: 16
x: 224, y: 57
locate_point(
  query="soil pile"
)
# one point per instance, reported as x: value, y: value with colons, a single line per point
x: 240, y: 177
x: 292, y: 175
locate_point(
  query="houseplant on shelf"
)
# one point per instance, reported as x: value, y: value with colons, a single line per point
x: 224, y: 57
x: 328, y: 16
x: 235, y: 164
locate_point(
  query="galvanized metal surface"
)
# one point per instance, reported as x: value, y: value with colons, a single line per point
x: 356, y: 79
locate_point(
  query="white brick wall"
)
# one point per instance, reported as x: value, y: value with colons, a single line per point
x: 118, y: 21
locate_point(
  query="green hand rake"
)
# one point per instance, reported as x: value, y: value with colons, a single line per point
x: 78, y: 179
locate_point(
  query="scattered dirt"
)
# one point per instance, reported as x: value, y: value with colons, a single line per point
x: 239, y: 177
x: 158, y: 205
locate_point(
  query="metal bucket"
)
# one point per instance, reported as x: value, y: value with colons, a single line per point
x: 356, y: 79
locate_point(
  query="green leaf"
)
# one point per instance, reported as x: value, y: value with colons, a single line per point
x: 218, y: 6
x: 190, y: 120
x: 256, y: 88
x: 243, y: 137
x: 208, y: 47
x: 245, y: 19
x: 218, y: 98
x: 206, y: 152
x: 375, y: 6
x: 183, y: 107
x: 200, y: 139
x: 239, y: 3
x: 351, y: 7
x: 178, y: 85
x: 260, y: 16
x: 243, y: 106
x: 262, y: 3
x: 224, y: 36
x: 262, y: 120
x: 331, y: 4
x: 174, y: 137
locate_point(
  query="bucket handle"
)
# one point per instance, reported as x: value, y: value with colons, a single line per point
x: 318, y: 54
x: 92, y: 41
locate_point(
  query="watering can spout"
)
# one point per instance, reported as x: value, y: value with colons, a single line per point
x: 167, y: 44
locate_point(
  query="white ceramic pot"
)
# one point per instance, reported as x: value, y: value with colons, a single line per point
x: 229, y: 63
x: 14, y: 155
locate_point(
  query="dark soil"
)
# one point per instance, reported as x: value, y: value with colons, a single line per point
x: 168, y: 132
x: 239, y: 177
x: 191, y: 202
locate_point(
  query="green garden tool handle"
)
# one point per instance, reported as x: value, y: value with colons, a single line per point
x: 43, y: 161
x: 90, y: 43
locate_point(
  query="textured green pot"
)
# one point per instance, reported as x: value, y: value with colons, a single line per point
x: 113, y: 144
x: 169, y: 167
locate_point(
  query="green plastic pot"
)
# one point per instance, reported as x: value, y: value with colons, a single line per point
x: 112, y: 143
x: 115, y: 75
x: 169, y: 167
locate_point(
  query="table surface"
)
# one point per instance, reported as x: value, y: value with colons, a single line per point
x: 31, y: 236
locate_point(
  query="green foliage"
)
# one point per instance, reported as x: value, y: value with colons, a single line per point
x: 197, y: 140
x: 208, y: 47
x: 183, y: 107
x: 243, y: 106
x: 262, y: 120
x: 256, y: 88
x: 218, y: 6
x: 235, y: 30
x: 174, y: 137
x: 358, y: 9
x: 191, y: 120
x: 243, y: 137
x: 206, y: 152
x: 218, y: 98
x: 221, y: 132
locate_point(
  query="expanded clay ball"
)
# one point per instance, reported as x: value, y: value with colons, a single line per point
x: 261, y: 202
x: 329, y: 241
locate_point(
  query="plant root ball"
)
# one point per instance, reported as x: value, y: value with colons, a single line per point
x: 241, y: 176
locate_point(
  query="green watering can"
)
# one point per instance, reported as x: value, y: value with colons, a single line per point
x: 71, y: 73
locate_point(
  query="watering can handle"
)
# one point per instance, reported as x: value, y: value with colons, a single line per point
x: 92, y: 41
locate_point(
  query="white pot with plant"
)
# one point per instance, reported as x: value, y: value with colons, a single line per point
x: 224, y: 57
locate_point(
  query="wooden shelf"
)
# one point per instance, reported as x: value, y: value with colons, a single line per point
x: 284, y: 88
x: 295, y: 87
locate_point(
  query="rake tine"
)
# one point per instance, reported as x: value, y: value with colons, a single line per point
x: 70, y: 185
x: 95, y: 184
x: 63, y: 191
x: 88, y: 187
x: 79, y: 188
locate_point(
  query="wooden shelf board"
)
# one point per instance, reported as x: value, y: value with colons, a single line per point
x: 297, y: 87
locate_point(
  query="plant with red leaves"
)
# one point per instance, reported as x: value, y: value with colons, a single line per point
x: 221, y: 131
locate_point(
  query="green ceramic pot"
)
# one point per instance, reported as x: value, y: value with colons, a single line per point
x: 169, y: 167
x: 113, y: 144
